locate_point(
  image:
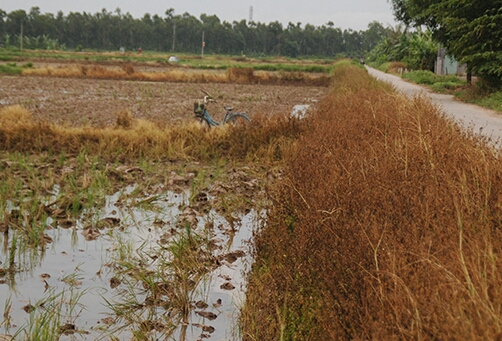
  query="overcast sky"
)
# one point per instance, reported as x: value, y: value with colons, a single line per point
x: 354, y: 14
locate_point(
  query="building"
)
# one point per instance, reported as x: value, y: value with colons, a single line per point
x: 447, y: 65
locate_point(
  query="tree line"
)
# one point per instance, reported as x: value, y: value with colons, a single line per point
x: 183, y: 33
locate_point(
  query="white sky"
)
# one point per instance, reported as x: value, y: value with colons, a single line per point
x: 354, y: 14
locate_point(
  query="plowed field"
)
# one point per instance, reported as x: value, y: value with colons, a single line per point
x: 76, y: 101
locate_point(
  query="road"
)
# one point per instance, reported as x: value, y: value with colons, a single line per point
x: 482, y: 121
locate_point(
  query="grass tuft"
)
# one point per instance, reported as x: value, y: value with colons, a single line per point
x: 16, y: 116
x: 124, y: 119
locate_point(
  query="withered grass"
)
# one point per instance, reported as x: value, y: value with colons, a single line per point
x: 184, y: 75
x: 386, y: 226
x: 266, y: 139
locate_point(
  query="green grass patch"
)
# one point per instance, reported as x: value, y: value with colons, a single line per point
x: 209, y: 62
x: 438, y: 83
x: 430, y: 78
x: 13, y: 68
x: 492, y: 101
x: 384, y: 67
x: 10, y: 69
x: 445, y: 86
x: 285, y: 67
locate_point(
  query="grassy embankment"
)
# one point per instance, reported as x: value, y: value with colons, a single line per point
x: 134, y: 139
x: 385, y: 226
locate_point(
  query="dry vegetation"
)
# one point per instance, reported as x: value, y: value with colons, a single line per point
x: 386, y: 226
x: 127, y: 71
x: 268, y: 138
x: 88, y: 138
x: 385, y: 223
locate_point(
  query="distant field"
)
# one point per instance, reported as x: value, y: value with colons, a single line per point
x: 154, y: 59
x: 90, y: 87
x: 70, y: 101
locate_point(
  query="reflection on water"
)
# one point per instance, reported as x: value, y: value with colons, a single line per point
x: 78, y: 263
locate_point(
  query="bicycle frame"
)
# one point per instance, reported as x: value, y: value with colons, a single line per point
x: 202, y: 113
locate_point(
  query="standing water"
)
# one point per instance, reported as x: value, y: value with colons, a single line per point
x: 151, y: 268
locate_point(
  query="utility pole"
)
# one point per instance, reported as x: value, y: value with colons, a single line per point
x: 21, y: 39
x: 174, y: 35
x: 203, y: 45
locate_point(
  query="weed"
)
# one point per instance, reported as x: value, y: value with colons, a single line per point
x: 492, y: 101
x: 396, y: 219
x: 158, y: 301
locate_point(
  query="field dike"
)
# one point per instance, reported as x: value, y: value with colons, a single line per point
x: 386, y: 225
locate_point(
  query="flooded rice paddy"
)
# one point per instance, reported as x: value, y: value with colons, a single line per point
x: 165, y: 266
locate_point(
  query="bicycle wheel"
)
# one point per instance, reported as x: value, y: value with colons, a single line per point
x: 237, y: 118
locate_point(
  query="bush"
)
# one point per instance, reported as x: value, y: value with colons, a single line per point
x: 397, y: 67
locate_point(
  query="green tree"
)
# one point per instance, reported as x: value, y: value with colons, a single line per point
x: 333, y: 39
x: 3, y: 15
x: 373, y: 35
x: 469, y: 29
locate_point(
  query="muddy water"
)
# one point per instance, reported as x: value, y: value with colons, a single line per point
x: 80, y: 266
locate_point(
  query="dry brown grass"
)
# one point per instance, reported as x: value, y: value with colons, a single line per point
x: 266, y: 138
x: 387, y: 226
x: 124, y: 119
x: 231, y: 75
x: 15, y: 117
x: 397, y: 68
x: 241, y: 75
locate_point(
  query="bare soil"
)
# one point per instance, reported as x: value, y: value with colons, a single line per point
x: 76, y: 102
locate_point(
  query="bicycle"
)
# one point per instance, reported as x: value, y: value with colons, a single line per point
x: 230, y: 117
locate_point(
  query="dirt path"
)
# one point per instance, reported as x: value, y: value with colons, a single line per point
x: 483, y: 121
